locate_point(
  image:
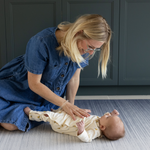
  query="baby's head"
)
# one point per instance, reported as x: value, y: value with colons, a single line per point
x: 111, y: 126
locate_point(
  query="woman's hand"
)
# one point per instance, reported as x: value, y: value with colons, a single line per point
x: 73, y: 111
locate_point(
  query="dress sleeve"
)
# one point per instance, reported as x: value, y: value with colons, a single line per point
x: 36, y: 56
x: 84, y: 64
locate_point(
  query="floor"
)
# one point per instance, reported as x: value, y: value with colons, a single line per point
x: 134, y: 111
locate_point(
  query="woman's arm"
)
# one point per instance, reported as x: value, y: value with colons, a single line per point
x: 36, y: 86
x: 39, y: 88
x: 72, y: 86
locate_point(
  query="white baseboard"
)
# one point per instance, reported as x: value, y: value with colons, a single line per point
x: 117, y: 97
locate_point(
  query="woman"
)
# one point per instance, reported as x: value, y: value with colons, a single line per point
x: 50, y: 69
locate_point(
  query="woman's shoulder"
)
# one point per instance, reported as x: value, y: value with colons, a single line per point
x: 46, y: 32
x: 46, y: 37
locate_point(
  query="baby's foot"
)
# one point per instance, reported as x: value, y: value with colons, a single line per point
x: 27, y: 110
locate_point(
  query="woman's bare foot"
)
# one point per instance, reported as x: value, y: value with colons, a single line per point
x: 12, y: 127
x: 27, y: 110
x: 8, y: 126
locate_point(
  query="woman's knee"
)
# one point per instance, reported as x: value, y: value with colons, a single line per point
x: 10, y: 127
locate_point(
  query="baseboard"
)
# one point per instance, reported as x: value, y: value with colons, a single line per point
x: 118, y: 97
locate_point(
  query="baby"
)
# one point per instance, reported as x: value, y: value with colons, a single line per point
x: 86, y: 129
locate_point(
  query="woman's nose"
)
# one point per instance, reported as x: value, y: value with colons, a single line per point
x: 90, y: 52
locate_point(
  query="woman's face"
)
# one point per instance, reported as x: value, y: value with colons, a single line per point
x: 88, y: 46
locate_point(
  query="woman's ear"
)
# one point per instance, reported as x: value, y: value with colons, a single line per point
x: 80, y: 32
x: 102, y: 127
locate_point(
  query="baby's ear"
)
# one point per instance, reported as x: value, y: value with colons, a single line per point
x: 102, y: 127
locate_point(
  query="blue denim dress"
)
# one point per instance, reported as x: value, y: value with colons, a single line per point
x: 41, y: 57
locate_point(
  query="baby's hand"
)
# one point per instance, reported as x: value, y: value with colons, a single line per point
x: 80, y: 126
x: 114, y: 112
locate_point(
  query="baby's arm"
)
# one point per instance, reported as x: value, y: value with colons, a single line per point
x: 80, y: 126
x: 86, y: 135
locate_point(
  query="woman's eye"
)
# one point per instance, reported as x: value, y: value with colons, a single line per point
x: 90, y: 47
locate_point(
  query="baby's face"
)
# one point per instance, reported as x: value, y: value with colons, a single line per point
x: 108, y: 118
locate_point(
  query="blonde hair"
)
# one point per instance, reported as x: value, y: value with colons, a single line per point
x: 94, y: 27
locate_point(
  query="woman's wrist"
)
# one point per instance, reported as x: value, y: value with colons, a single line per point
x: 63, y: 104
x: 61, y: 107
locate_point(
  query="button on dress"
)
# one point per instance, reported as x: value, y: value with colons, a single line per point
x: 41, y: 57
